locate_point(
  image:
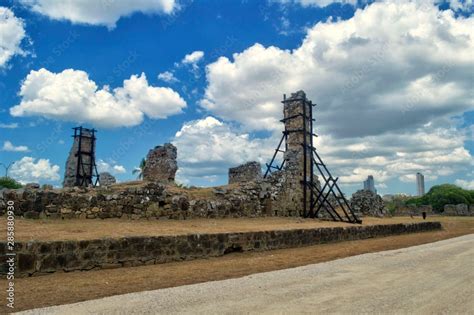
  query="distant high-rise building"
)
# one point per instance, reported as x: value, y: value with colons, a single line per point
x: 369, y: 184
x: 420, y: 184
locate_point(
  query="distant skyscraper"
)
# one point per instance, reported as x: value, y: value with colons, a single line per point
x: 420, y: 184
x: 369, y: 184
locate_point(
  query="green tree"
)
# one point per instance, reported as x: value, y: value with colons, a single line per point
x: 444, y: 194
x: 139, y: 169
x: 8, y: 182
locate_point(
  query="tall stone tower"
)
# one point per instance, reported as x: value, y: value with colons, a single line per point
x: 297, y: 113
x: 298, y: 169
x: 297, y: 117
x: 295, y: 189
x: 80, y: 166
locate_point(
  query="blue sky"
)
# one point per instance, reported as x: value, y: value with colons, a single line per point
x: 389, y: 106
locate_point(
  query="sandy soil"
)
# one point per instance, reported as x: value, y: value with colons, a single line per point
x: 61, y: 288
x: 426, y: 279
x: 76, y: 229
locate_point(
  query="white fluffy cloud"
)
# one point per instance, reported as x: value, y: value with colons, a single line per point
x: 208, y: 147
x: 193, y: 57
x: 8, y: 146
x: 435, y: 152
x: 359, y: 174
x: 71, y: 96
x: 388, y: 67
x: 9, y: 126
x: 112, y: 167
x: 106, y: 12
x: 466, y: 184
x: 168, y: 77
x: 462, y: 5
x: 29, y: 170
x: 119, y: 169
x: 387, y: 83
x: 192, y: 60
x: 457, y: 5
x: 318, y: 3
x: 12, y: 33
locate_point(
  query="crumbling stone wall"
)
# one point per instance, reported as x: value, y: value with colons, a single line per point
x: 106, y: 179
x: 413, y: 210
x: 287, y: 187
x: 368, y: 203
x: 428, y: 209
x: 140, y: 201
x: 247, y: 172
x: 448, y: 210
x: 459, y: 210
x: 161, y: 164
x: 72, y: 160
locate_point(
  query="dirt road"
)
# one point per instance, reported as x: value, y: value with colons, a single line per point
x: 431, y: 278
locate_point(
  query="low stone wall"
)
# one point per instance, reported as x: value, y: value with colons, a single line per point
x: 413, y: 210
x: 459, y: 210
x: 462, y: 210
x: 41, y: 257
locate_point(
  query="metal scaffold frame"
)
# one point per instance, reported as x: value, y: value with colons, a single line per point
x: 314, y: 198
x: 83, y: 177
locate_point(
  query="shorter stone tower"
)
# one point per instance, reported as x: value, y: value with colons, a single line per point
x: 161, y: 164
x: 81, y: 169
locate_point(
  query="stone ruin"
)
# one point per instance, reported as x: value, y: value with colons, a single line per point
x: 106, y: 179
x: 279, y: 194
x: 285, y: 185
x: 251, y: 171
x: 161, y: 164
x: 369, y: 203
x: 412, y: 210
x: 85, y: 139
x: 461, y: 209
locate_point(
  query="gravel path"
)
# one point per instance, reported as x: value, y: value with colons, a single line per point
x: 432, y: 278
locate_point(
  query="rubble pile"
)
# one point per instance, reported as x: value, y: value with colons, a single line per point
x: 368, y: 203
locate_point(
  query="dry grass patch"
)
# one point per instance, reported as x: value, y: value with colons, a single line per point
x: 77, y: 229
